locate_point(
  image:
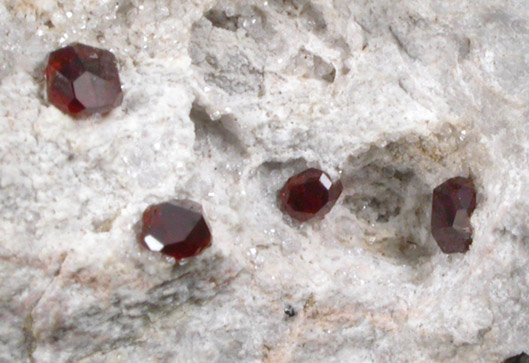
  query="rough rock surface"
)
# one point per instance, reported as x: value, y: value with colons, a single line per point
x: 223, y: 101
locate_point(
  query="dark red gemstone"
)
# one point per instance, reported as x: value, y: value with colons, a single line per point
x: 309, y: 194
x: 452, y: 206
x: 83, y: 80
x: 176, y: 228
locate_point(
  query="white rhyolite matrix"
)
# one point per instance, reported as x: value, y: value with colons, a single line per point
x: 223, y: 102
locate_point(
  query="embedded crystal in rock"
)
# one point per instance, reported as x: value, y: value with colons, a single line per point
x: 309, y: 194
x: 452, y: 206
x: 176, y: 228
x: 83, y: 80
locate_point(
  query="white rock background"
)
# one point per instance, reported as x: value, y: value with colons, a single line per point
x: 225, y: 101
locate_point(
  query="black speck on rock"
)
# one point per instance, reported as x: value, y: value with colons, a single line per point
x: 290, y: 311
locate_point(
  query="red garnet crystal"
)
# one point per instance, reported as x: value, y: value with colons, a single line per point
x: 176, y: 228
x: 83, y: 80
x: 309, y: 194
x: 452, y: 206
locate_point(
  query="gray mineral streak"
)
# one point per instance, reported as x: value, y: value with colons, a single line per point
x: 223, y: 101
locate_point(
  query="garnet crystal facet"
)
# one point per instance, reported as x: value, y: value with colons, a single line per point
x: 452, y: 206
x: 176, y: 228
x: 309, y: 194
x: 83, y: 80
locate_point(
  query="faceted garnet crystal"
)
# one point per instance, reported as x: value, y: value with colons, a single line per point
x: 452, y: 206
x: 83, y: 80
x: 520, y: 358
x: 176, y: 228
x: 309, y: 194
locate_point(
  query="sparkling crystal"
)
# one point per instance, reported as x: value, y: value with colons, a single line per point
x: 83, y: 80
x: 452, y: 206
x: 176, y: 228
x: 309, y: 194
